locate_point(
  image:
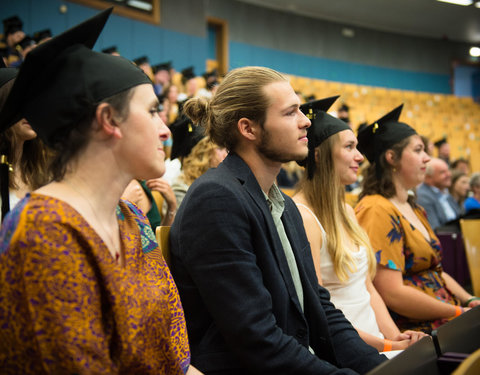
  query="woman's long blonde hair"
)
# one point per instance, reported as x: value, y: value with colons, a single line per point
x: 198, y: 161
x: 325, y: 194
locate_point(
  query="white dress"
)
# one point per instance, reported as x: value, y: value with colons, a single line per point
x: 352, y: 297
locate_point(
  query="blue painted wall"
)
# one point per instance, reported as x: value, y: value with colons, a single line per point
x: 292, y: 44
x: 335, y: 70
x: 133, y: 38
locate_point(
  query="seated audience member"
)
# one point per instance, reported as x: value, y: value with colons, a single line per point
x: 433, y: 194
x: 428, y: 145
x: 12, y: 34
x: 410, y: 277
x: 473, y: 202
x: 24, y: 167
x: 459, y: 190
x: 140, y: 193
x: 289, y: 175
x: 443, y: 150
x: 343, y: 257
x: 204, y: 155
x: 239, y: 252
x: 462, y: 165
x: 83, y: 285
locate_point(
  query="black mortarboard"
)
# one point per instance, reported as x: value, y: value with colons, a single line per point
x: 12, y: 25
x: 141, y: 60
x: 185, y: 135
x: 440, y: 142
x: 67, y: 77
x: 211, y: 78
x: 6, y: 75
x: 323, y: 126
x: 378, y: 137
x: 163, y: 66
x: 343, y: 107
x: 25, y: 43
x: 110, y: 50
x: 187, y: 74
x: 42, y: 35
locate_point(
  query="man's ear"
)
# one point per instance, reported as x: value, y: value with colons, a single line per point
x: 248, y: 128
x: 106, y: 119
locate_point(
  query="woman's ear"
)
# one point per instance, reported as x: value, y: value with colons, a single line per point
x: 390, y: 157
x: 317, y: 155
x: 247, y: 128
x: 107, y: 123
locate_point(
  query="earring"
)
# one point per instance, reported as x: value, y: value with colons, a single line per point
x: 394, y: 169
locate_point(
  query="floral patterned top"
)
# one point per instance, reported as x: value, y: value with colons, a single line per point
x: 66, y: 307
x: 398, y: 245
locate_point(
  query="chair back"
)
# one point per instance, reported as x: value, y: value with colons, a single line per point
x: 471, y: 237
x: 158, y: 200
x: 163, y: 235
x: 470, y: 366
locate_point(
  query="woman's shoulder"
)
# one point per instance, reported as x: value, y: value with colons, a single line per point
x: 375, y: 202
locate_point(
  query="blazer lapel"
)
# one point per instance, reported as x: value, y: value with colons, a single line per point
x: 243, y: 173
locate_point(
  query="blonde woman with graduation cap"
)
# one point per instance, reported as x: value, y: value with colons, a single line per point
x: 343, y: 257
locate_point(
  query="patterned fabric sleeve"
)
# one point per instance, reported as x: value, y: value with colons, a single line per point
x: 385, y: 232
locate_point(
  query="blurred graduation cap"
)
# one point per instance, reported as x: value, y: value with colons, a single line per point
x: 323, y: 126
x: 187, y: 74
x: 162, y: 66
x: 110, y: 50
x: 141, y: 60
x: 41, y: 35
x: 12, y: 25
x: 440, y: 142
x: 26, y: 42
x: 378, y: 137
x: 67, y: 77
x: 211, y: 78
x: 6, y: 75
x: 343, y: 107
x: 185, y: 135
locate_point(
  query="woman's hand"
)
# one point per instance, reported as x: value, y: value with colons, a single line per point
x: 164, y: 188
x: 133, y: 192
x: 411, y: 336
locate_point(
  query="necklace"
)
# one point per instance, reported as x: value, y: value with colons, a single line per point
x: 114, y: 250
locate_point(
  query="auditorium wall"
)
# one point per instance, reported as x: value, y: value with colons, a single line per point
x: 293, y: 44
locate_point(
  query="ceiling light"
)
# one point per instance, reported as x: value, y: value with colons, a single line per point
x: 143, y: 5
x: 475, y: 51
x: 477, y: 4
x: 458, y: 2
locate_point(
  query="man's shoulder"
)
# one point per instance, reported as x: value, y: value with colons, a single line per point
x: 425, y: 191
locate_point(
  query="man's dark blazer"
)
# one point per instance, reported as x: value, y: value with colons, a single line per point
x: 242, y: 312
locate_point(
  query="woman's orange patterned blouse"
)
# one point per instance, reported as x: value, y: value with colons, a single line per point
x: 65, y: 305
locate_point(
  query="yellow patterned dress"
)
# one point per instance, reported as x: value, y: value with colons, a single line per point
x: 398, y: 245
x: 66, y: 307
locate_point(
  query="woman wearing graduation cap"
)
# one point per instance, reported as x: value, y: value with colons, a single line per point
x: 23, y: 155
x: 343, y: 257
x: 83, y: 286
x: 410, y: 277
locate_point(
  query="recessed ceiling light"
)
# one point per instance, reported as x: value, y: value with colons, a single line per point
x: 458, y: 2
x: 475, y: 51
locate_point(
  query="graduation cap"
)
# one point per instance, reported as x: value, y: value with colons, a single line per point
x: 6, y: 75
x: 12, y: 25
x: 41, y: 35
x: 343, y: 107
x: 141, y: 60
x: 187, y: 74
x: 25, y: 43
x: 66, y: 77
x: 110, y: 50
x: 323, y: 126
x: 378, y: 137
x: 211, y: 78
x: 163, y: 66
x: 440, y: 142
x: 185, y: 135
